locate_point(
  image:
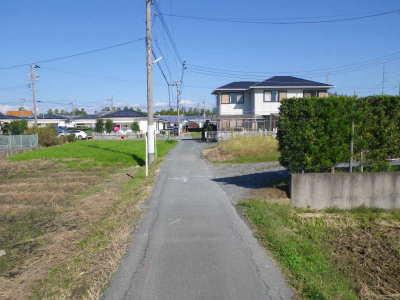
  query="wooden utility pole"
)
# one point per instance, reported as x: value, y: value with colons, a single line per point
x: 149, y: 64
x: 351, y: 148
x: 33, y: 79
x: 178, y: 105
x: 204, y: 111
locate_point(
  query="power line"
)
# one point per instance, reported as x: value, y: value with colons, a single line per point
x: 87, y: 75
x: 49, y: 60
x: 252, y: 75
x: 271, y: 22
x: 161, y: 69
x: 167, y: 32
x: 162, y: 54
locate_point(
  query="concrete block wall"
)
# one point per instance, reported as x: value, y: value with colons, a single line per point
x: 346, y: 190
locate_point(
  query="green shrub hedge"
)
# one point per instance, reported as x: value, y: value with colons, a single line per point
x: 314, y: 134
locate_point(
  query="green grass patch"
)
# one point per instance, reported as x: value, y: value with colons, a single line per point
x: 89, y: 154
x: 301, y: 248
x: 195, y: 134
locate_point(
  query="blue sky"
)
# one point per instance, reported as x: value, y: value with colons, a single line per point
x: 34, y: 30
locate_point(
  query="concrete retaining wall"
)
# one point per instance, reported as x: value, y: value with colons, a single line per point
x: 346, y: 190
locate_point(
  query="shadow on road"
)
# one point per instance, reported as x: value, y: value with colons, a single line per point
x: 267, y: 179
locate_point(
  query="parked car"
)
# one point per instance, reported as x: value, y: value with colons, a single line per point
x: 79, y: 134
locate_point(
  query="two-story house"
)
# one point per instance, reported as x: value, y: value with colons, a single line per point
x: 255, y: 105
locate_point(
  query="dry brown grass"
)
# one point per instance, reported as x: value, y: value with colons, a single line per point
x: 48, y: 216
x: 244, y: 150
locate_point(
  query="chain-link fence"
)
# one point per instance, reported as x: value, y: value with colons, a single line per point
x: 15, y: 143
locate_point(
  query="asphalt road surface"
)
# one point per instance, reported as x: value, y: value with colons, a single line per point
x: 191, y: 243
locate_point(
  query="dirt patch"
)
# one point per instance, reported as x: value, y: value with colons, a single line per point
x: 217, y: 155
x: 369, y: 256
x: 43, y: 214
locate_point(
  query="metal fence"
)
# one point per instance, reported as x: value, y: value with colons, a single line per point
x: 226, y: 135
x: 15, y: 143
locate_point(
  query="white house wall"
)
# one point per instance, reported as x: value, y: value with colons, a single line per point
x: 236, y: 109
x: 262, y: 108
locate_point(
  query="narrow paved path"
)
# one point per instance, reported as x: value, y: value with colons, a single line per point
x: 191, y: 243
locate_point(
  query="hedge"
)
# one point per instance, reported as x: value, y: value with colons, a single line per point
x: 314, y: 134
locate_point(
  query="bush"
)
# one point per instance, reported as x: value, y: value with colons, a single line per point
x: 135, y: 127
x: 71, y: 138
x: 16, y: 127
x: 108, y: 126
x: 47, y: 136
x: 314, y: 134
x: 99, y: 128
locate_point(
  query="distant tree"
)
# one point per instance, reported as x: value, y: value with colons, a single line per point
x: 78, y: 112
x: 108, y: 126
x: 135, y: 127
x: 17, y: 127
x: 50, y: 112
x: 21, y: 108
x: 125, y: 108
x: 99, y: 128
x: 191, y: 111
x: 56, y: 111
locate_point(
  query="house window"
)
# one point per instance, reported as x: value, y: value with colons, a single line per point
x: 310, y: 93
x: 237, y: 98
x: 232, y: 98
x: 225, y: 99
x: 271, y: 96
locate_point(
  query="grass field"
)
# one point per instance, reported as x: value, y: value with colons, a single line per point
x: 196, y: 135
x: 332, y: 254
x: 65, y: 215
x: 244, y: 150
x: 89, y: 154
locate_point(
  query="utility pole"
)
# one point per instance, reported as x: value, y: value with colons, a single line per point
x: 351, y: 148
x: 149, y: 64
x: 178, y: 95
x: 204, y: 111
x: 178, y: 104
x: 33, y: 79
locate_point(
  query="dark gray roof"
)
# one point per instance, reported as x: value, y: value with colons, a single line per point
x: 237, y: 85
x: 290, y: 81
x: 275, y: 81
x: 84, y: 117
x: 125, y: 114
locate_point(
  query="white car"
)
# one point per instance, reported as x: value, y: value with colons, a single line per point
x: 79, y: 134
